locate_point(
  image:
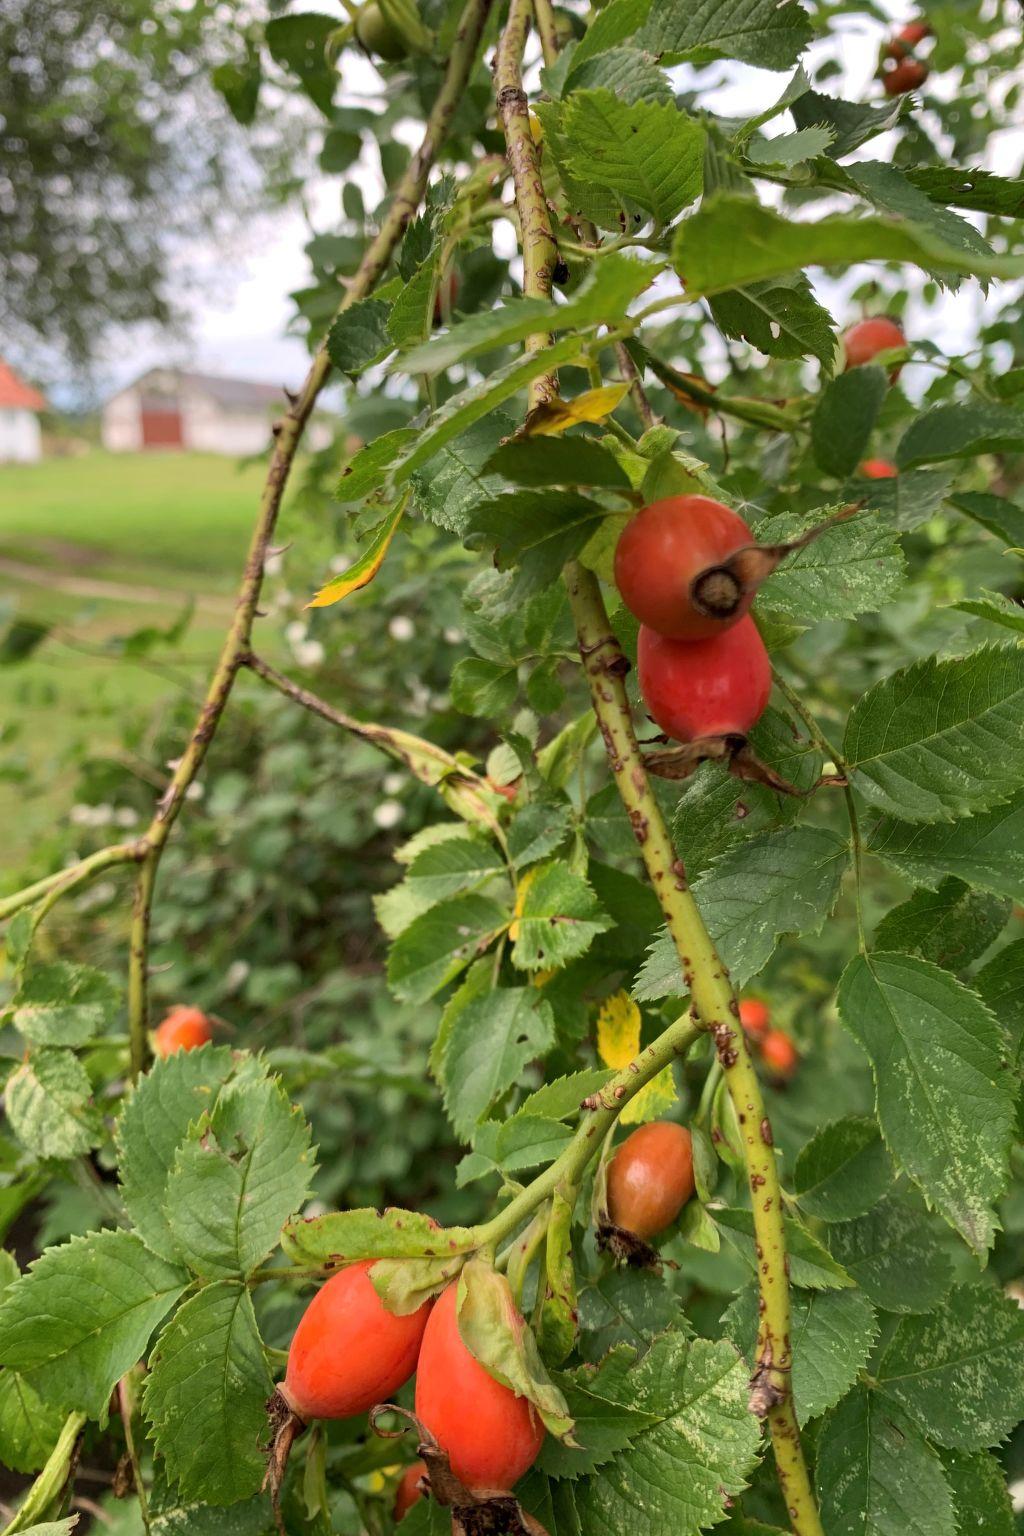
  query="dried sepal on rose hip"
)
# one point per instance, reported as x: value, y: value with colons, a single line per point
x: 689, y: 567
x: 647, y: 1181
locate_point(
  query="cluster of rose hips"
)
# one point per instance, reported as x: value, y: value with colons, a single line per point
x: 774, y: 1046
x: 899, y: 67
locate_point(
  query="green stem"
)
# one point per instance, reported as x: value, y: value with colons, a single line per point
x: 64, y: 881
x: 51, y: 1481
x: 818, y: 736
x: 288, y: 435
x: 715, y: 1009
x: 128, y: 1399
x: 524, y: 1251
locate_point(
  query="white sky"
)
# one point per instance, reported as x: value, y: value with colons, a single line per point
x: 238, y: 311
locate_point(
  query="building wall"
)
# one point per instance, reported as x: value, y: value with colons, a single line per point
x: 211, y: 429
x: 121, y: 423
x: 19, y: 437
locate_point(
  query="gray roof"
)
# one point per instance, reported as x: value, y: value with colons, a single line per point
x: 232, y: 393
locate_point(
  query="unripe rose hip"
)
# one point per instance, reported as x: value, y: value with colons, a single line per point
x: 650, y: 1178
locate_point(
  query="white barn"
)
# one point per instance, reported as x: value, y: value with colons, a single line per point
x: 169, y: 408
x: 20, y: 440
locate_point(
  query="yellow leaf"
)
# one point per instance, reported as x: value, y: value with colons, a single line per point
x: 553, y: 417
x: 521, y: 890
x: 366, y: 567
x: 618, y: 1042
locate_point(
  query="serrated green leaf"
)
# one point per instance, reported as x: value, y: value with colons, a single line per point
x: 950, y: 926
x: 895, y: 1255
x: 981, y: 1499
x: 412, y: 314
x: 959, y: 1371
x: 61, y: 1004
x: 298, y: 42
x: 892, y: 192
x: 439, y: 944
x: 845, y: 417
x: 996, y: 607
x: 529, y: 1141
x: 759, y: 32
x: 987, y: 850
x: 1000, y: 985
x: 28, y: 1426
x: 877, y: 1476
x: 205, y: 1396
x: 789, y: 149
x: 780, y: 317
x: 628, y: 73
x: 780, y: 882
x: 82, y: 1315
x: 346, y: 1237
x: 649, y: 154
x: 943, y: 1092
x: 445, y: 869
x: 810, y: 1263
x: 843, y: 1170
x: 972, y: 188
x: 941, y: 738
x: 956, y: 431
x: 483, y: 688
x: 538, y: 531
x: 154, y: 1122
x: 490, y: 1042
x: 48, y: 1100
x: 601, y: 1430
x: 556, y: 920
x: 537, y: 830
x: 360, y: 336
x: 452, y: 485
x: 243, y: 1170
x: 731, y: 242
x: 1002, y: 517
x: 562, y: 1098
x: 540, y: 461
x: 832, y: 1336
x: 675, y: 1476
x: 853, y: 567
x: 851, y: 122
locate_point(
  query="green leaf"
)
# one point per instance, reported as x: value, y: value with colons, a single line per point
x: 811, y: 1265
x: 493, y: 1330
x: 154, y: 1123
x: 48, y: 1100
x: 205, y: 1396
x: 730, y: 242
x: 238, y: 81
x: 628, y: 73
x: 675, y: 1476
x: 832, y: 1335
x: 346, y: 1237
x: 601, y: 1429
x: 941, y: 738
x: 529, y: 1141
x: 537, y: 830
x: 368, y: 469
x: 843, y: 1171
x: 944, y: 1096
x: 955, y: 431
x: 971, y: 188
x: 895, y: 1255
x: 853, y: 567
x: 412, y: 314
x: 538, y: 531
x: 483, y: 688
x: 851, y: 122
x: 845, y: 418
x: 1000, y: 984
x: 612, y: 24
x: 491, y: 1040
x: 440, y: 871
x: 541, y: 461
x: 298, y: 43
x: 780, y: 317
x: 759, y: 32
x: 82, y: 1315
x: 622, y: 1307
x: 363, y: 569
x: 950, y: 926
x: 609, y: 287
x: 959, y: 1371
x: 788, y: 149
x: 877, y: 1476
x: 439, y: 944
x: 61, y: 1004
x: 996, y: 607
x: 986, y: 851
x: 1001, y: 517
x: 242, y: 1172
x: 561, y: 1098
x: 981, y: 1498
x: 452, y: 485
x: 892, y: 192
x: 557, y: 919
x: 28, y: 1426
x: 778, y: 883
x: 907, y: 500
x: 359, y: 336
x: 649, y: 154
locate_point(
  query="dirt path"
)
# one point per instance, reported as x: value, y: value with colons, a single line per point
x: 111, y: 591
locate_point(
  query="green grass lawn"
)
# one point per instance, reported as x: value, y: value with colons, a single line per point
x: 99, y: 547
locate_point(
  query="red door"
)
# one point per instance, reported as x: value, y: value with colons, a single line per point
x: 161, y: 428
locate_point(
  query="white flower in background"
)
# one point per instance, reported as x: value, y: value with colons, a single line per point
x: 236, y: 974
x: 310, y: 653
x: 339, y: 563
x: 195, y: 791
x: 401, y: 627
x: 453, y: 636
x: 81, y: 815
x: 295, y: 632
x: 393, y: 783
x: 273, y: 565
x: 125, y: 816
x: 388, y: 814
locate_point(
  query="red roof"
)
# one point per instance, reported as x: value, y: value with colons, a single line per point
x: 15, y: 394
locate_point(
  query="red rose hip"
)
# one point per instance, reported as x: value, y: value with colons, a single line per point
x: 668, y: 567
x: 878, y: 469
x: 650, y: 1178
x: 184, y: 1029
x: 491, y: 1436
x: 349, y: 1352
x: 409, y: 1491
x: 699, y: 688
x: 755, y: 1017
x: 864, y: 341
